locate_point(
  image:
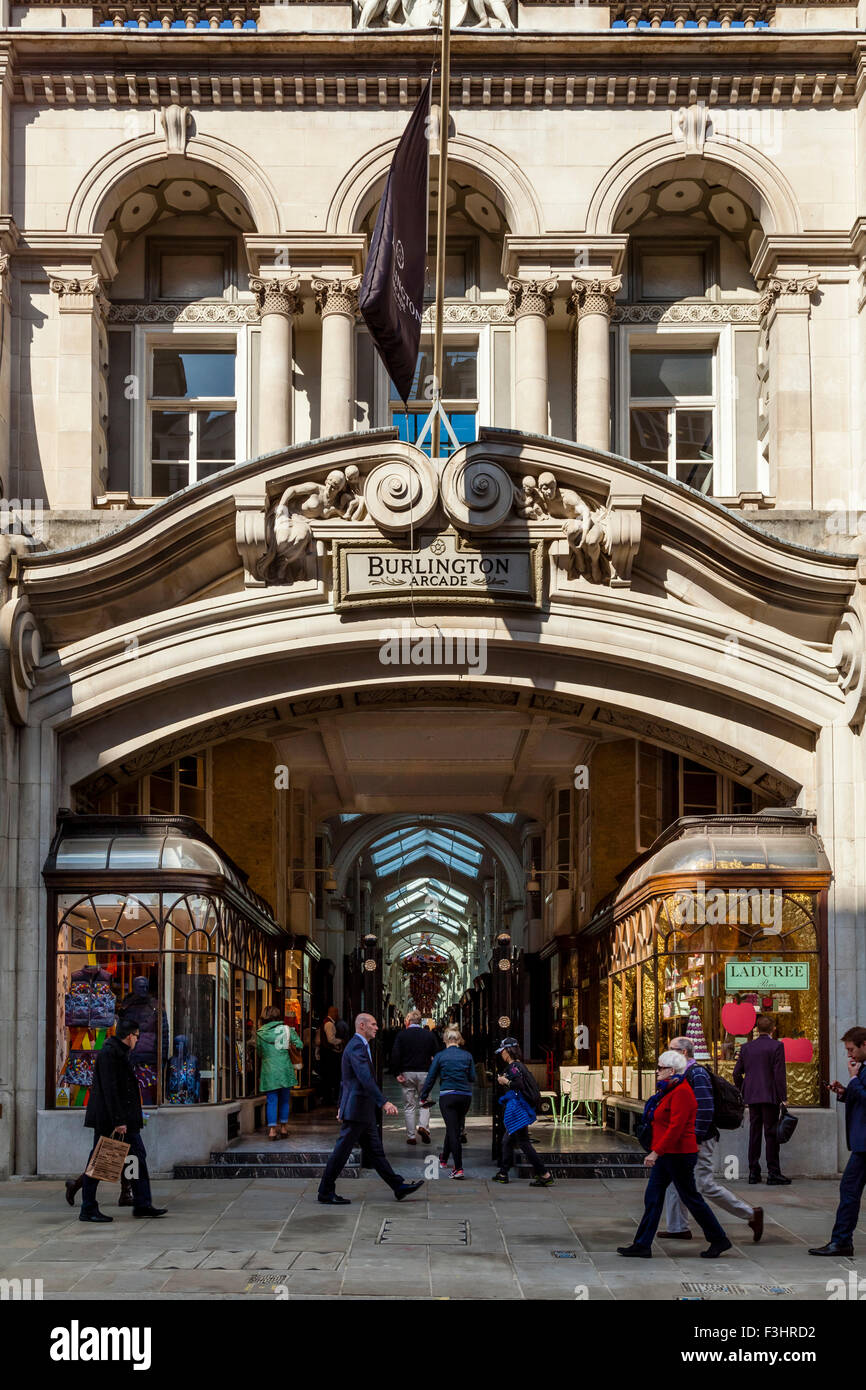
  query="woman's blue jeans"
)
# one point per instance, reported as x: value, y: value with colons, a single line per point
x: 281, y: 1098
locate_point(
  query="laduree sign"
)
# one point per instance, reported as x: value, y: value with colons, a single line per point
x: 766, y: 976
x: 440, y: 569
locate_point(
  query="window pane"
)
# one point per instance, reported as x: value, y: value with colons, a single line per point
x: 459, y: 373
x: 410, y: 426
x: 192, y: 373
x: 650, y: 436
x: 455, y: 276
x: 191, y: 277
x: 169, y: 435
x: 671, y: 373
x: 216, y: 436
x: 694, y: 434
x: 697, y: 475
x: 671, y: 276
x: 166, y: 478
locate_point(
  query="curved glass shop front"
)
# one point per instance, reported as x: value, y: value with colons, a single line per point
x: 723, y: 919
x: 150, y: 919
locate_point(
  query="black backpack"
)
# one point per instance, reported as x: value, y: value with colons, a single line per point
x: 529, y: 1087
x: 728, y: 1104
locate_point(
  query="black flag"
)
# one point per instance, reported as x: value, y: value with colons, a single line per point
x: 392, y: 290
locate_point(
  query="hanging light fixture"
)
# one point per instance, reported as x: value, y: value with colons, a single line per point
x: 330, y: 879
x: 533, y: 886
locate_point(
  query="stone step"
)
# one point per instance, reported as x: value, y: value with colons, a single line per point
x: 259, y: 1170
x: 265, y: 1157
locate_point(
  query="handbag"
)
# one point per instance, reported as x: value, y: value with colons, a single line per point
x: 107, y: 1161
x: 643, y: 1131
x: 786, y: 1126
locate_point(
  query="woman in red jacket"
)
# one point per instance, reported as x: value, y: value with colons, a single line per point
x: 672, y: 1159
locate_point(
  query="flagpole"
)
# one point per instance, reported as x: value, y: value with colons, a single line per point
x: 444, y: 120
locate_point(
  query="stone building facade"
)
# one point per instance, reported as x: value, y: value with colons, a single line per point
x: 654, y: 370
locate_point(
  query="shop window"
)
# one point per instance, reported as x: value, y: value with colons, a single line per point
x: 672, y: 413
x: 177, y: 789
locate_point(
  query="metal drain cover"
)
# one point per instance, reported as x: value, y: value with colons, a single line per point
x: 422, y: 1231
x: 736, y: 1290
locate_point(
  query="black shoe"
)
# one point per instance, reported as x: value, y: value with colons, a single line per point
x: 149, y: 1211
x: 71, y: 1189
x: 412, y: 1141
x: 332, y: 1200
x: 778, y: 1180
x: 635, y: 1252
x: 832, y: 1248
x: 755, y: 1177
x: 542, y: 1181
x: 715, y: 1249
x: 464, y: 1139
x: 756, y: 1221
x: 94, y: 1216
x: 407, y: 1188
x: 499, y: 1177
x: 425, y: 1134
x: 126, y: 1198
x: 674, y: 1235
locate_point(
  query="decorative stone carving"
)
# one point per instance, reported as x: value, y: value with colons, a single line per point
x: 531, y: 297
x: 337, y: 296
x: 477, y: 494
x: 20, y: 644
x: 401, y: 495
x: 690, y: 124
x: 468, y: 313
x: 277, y: 295
x: 427, y: 14
x: 288, y: 533
x: 176, y: 121
x: 593, y: 296
x: 586, y: 552
x: 183, y: 313
x: 654, y: 731
x: 79, y: 295
x: 775, y: 287
x: 188, y: 12
x: 687, y: 313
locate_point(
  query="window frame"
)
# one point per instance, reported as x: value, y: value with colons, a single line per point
x: 453, y: 336
x: 706, y: 247
x: 156, y: 247
x: 202, y: 338
x: 677, y: 338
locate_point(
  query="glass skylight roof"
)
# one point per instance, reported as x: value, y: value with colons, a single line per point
x: 403, y: 847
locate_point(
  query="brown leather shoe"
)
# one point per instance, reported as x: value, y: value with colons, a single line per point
x: 756, y: 1221
x: 411, y: 1141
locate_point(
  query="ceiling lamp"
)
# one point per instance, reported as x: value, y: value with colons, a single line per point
x: 533, y: 886
x: 330, y: 879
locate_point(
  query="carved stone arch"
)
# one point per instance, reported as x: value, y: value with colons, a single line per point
x: 361, y: 186
x: 740, y: 167
x: 120, y: 172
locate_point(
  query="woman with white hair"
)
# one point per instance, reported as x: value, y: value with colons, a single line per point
x: 669, y: 1118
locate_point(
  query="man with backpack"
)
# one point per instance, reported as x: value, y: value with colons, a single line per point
x: 719, y: 1107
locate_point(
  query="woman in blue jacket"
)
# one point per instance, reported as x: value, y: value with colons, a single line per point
x: 454, y: 1069
x: 519, y: 1115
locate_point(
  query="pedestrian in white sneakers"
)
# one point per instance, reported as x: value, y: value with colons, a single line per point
x: 413, y: 1051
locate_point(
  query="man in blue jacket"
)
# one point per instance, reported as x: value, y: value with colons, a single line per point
x: 854, y: 1178
x: 359, y: 1097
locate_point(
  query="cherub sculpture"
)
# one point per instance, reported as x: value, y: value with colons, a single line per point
x: 340, y: 495
x: 584, y: 528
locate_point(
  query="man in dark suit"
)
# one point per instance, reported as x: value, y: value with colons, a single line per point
x: 854, y: 1178
x: 760, y: 1075
x: 115, y: 1105
x: 359, y: 1097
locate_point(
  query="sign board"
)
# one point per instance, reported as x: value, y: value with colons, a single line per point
x: 766, y: 976
x: 439, y: 569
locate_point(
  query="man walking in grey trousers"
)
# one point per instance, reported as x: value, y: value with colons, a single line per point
x: 705, y: 1180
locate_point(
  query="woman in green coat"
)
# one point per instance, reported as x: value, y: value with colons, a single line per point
x: 277, y: 1071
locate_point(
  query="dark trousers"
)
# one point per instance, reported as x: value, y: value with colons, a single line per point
x: 763, y: 1119
x: 678, y: 1169
x: 850, y: 1191
x: 141, y: 1195
x: 365, y: 1133
x: 455, y: 1108
x: 520, y: 1139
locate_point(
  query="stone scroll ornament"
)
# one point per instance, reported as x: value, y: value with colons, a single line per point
x: 587, y: 530
x: 477, y: 494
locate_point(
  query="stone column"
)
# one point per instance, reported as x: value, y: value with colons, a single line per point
x: 5, y: 375
x: 592, y: 302
x: 785, y: 312
x: 278, y: 300
x: 82, y: 397
x: 337, y: 302
x: 531, y: 303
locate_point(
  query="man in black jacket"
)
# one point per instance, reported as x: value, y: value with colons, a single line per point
x: 413, y: 1051
x: 115, y: 1106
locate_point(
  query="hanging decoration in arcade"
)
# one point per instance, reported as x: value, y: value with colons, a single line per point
x: 425, y: 969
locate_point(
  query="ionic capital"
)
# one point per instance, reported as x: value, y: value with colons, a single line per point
x: 531, y: 297
x: 337, y: 296
x: 276, y: 295
x: 593, y: 296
